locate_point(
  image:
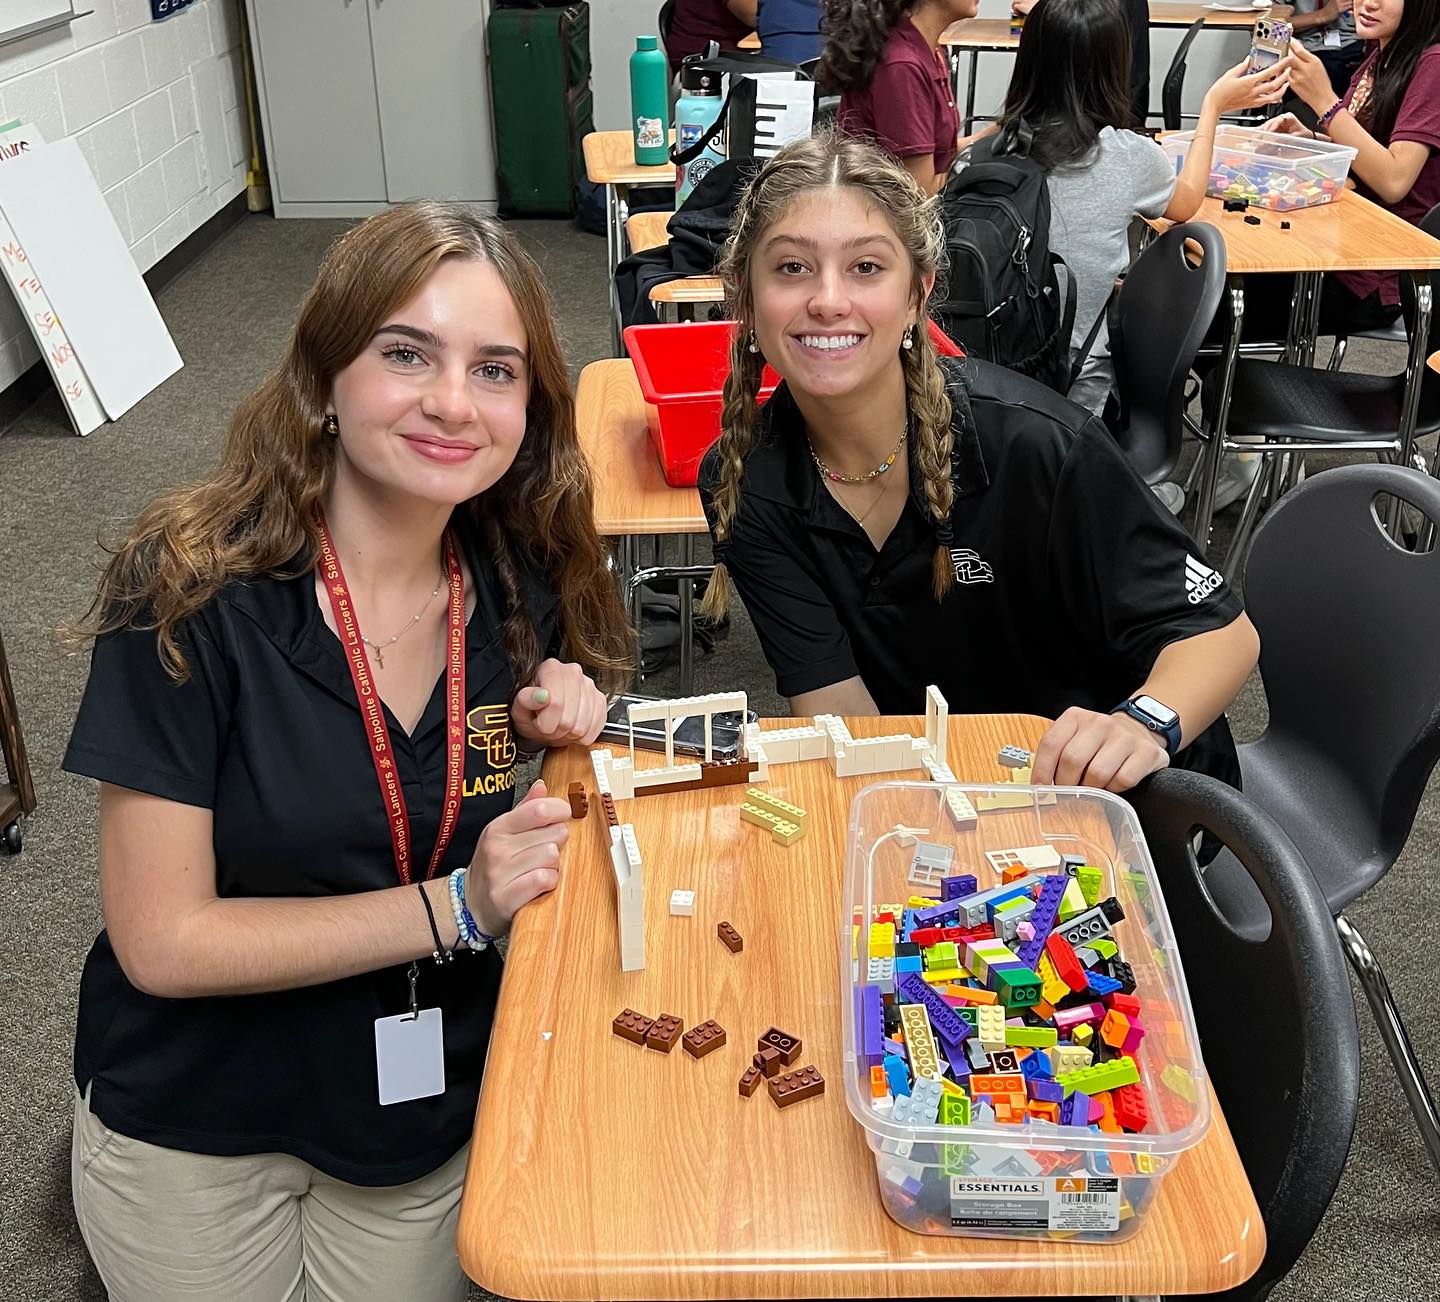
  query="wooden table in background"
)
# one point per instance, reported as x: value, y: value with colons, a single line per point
x: 647, y: 230
x: 599, y: 1170
x: 1349, y: 234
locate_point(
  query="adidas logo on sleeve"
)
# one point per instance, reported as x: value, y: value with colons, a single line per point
x: 1200, y: 581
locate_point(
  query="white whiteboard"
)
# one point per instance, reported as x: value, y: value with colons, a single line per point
x: 18, y: 16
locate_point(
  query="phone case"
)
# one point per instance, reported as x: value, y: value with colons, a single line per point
x: 1270, y: 43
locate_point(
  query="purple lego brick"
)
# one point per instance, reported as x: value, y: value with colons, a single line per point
x: 954, y: 1053
x: 872, y: 1022
x: 1045, y: 1091
x: 895, y: 1047
x: 1069, y: 1107
x: 956, y: 888
x: 1042, y: 918
x: 936, y: 914
x: 946, y: 1023
x: 911, y: 1186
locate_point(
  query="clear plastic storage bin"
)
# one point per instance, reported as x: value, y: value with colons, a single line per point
x: 1035, y: 1178
x: 1268, y: 169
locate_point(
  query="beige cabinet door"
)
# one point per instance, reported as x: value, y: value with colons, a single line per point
x: 434, y: 92
x: 322, y: 116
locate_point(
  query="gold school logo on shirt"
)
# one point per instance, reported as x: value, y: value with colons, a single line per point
x: 489, y: 733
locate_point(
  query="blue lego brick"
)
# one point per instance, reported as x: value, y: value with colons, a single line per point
x: 910, y: 963
x: 956, y: 888
x: 1037, y: 1066
x: 1100, y: 984
x: 1043, y: 916
x: 897, y: 1075
x: 1014, y: 891
x: 946, y: 1024
x: 907, y: 924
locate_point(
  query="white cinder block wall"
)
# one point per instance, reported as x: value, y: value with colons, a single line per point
x: 158, y: 110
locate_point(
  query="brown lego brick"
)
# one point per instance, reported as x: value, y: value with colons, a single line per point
x: 703, y: 1039
x: 796, y: 1085
x: 633, y: 1026
x: 579, y: 805
x: 664, y: 1032
x: 732, y: 938
x: 769, y: 1061
x: 749, y: 1082
x: 788, y: 1045
x: 607, y: 805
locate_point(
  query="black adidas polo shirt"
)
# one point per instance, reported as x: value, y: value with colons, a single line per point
x: 1072, y: 577
x: 268, y: 735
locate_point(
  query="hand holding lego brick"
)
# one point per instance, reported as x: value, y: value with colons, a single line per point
x: 1086, y: 749
x: 517, y: 859
x: 558, y: 707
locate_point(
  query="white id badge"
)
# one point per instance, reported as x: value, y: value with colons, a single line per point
x: 1332, y: 39
x: 410, y: 1056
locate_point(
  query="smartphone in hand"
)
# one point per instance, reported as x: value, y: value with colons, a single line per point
x: 1270, y: 44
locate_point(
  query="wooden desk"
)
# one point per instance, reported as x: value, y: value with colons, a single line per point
x: 601, y: 1171
x: 1349, y: 234
x: 647, y: 230
x: 631, y: 495
x: 610, y: 161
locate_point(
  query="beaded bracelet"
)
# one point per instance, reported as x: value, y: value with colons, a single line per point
x: 1323, y: 122
x: 465, y: 922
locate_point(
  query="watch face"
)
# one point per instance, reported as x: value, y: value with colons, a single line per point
x: 1162, y: 714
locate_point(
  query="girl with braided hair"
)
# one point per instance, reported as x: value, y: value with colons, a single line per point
x: 894, y: 518
x: 883, y: 58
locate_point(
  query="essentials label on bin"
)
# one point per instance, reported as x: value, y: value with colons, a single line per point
x: 1060, y: 1203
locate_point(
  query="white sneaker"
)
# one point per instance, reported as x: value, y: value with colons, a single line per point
x: 1236, y: 477
x: 1171, y: 496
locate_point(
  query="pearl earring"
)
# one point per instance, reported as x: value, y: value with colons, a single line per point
x: 752, y: 345
x: 331, y: 425
x: 909, y: 340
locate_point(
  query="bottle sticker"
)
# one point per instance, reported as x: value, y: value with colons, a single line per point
x: 1085, y: 1203
x: 686, y: 134
x: 650, y: 133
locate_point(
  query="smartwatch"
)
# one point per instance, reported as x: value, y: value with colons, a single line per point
x: 1160, y: 719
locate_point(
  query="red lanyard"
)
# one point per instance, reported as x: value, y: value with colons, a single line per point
x: 373, y: 712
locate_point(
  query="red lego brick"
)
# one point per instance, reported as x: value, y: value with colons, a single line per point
x: 703, y: 1039
x: 793, y: 1086
x: 664, y: 1032
x: 1131, y: 1109
x: 1123, y: 1003
x: 1067, y: 967
x: 769, y: 1061
x: 750, y: 1082
x: 633, y: 1026
x: 788, y: 1045
x: 732, y: 938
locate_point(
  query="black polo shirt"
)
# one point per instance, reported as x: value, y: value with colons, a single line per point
x: 267, y: 734
x: 1073, y: 577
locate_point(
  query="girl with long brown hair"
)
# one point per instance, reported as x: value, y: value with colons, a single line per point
x: 312, y: 674
x: 894, y: 519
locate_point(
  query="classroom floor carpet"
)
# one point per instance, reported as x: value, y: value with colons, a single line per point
x: 230, y: 314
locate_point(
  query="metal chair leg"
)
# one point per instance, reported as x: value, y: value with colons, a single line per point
x: 1392, y: 1032
x: 1260, y: 490
x: 1338, y: 356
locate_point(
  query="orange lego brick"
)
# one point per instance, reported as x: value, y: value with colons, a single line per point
x: 994, y: 1085
x: 793, y: 1086
x: 633, y: 1026
x: 664, y: 1032
x: 703, y: 1039
x: 972, y: 995
x: 879, y: 1086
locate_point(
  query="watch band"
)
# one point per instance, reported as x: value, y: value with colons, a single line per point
x: 1169, y: 735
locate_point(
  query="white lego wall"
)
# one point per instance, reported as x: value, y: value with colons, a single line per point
x: 159, y: 113
x: 614, y: 24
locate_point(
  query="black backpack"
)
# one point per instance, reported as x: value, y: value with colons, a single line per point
x: 1004, y: 300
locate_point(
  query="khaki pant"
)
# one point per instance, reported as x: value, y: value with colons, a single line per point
x: 164, y: 1225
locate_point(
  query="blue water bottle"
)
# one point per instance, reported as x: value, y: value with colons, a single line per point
x: 695, y: 113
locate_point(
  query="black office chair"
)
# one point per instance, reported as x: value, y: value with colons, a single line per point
x: 1164, y: 306
x: 1347, y: 619
x: 1275, y: 405
x: 1174, y: 83
x: 1287, y: 1070
x: 663, y: 21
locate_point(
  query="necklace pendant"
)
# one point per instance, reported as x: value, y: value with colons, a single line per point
x: 379, y: 658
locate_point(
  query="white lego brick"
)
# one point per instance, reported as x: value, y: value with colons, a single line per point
x: 962, y: 812
x: 938, y: 770
x: 600, y: 763
x: 632, y: 848
x: 622, y: 779
x: 782, y: 750
x: 684, y: 706
x: 1034, y: 858
x: 812, y: 744
x: 682, y: 904
x: 666, y: 773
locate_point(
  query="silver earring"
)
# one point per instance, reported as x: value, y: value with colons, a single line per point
x: 909, y: 340
x: 752, y: 345
x: 331, y: 425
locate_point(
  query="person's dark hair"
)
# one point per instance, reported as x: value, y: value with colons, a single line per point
x: 855, y: 34
x: 1071, y: 80
x: 1419, y: 28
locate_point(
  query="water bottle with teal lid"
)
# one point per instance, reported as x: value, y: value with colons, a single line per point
x: 695, y: 113
x: 650, y: 102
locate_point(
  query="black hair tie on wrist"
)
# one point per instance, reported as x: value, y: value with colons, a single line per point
x: 441, y: 954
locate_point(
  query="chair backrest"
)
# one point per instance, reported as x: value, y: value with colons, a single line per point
x: 1348, y: 620
x: 1275, y: 1015
x: 1164, y: 308
x: 663, y: 23
x: 1174, y: 83
x: 1430, y: 224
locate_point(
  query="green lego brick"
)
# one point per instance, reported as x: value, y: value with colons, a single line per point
x: 1031, y: 1037
x: 1018, y: 987
x: 1019, y: 902
x: 967, y: 1014
x: 1089, y: 879
x: 1072, y: 902
x: 1102, y: 1076
x: 954, y: 1109
x: 1105, y: 947
x: 942, y: 956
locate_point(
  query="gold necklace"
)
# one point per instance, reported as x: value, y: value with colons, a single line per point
x: 836, y: 477
x: 379, y: 647
x: 869, y: 510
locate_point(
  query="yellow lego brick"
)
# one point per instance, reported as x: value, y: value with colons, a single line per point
x: 782, y: 829
x: 855, y: 943
x: 790, y: 813
x: 943, y: 976
x: 882, y: 940
x: 1177, y: 1080
x: 921, y: 902
x: 1083, y: 1034
x: 948, y: 1086
x: 989, y: 803
x: 1052, y: 989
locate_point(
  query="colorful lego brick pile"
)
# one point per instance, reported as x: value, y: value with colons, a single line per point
x: 1282, y: 188
x: 1012, y: 1007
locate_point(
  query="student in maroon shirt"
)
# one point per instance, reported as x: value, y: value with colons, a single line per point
x: 695, y: 23
x: 883, y: 58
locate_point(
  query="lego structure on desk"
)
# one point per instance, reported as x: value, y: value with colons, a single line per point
x: 784, y: 821
x: 629, y: 896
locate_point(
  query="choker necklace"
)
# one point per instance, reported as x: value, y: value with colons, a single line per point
x: 836, y: 477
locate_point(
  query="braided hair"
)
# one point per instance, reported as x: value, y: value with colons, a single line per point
x: 832, y: 161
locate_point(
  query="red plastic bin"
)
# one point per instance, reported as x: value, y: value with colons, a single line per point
x: 682, y: 370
